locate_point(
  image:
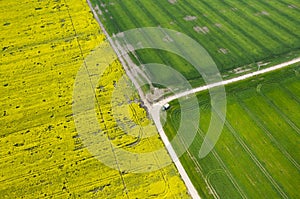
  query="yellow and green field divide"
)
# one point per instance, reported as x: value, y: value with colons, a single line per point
x: 43, y: 45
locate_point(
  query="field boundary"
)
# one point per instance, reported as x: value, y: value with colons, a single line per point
x: 190, y: 187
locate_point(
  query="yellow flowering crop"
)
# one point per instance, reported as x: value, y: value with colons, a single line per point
x: 43, y: 44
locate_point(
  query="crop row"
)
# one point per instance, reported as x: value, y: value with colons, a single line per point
x: 234, y: 33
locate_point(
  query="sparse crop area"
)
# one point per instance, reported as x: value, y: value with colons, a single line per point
x: 235, y: 33
x: 258, y: 151
x: 43, y: 45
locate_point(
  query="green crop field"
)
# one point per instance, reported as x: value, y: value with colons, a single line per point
x: 257, y: 154
x: 235, y: 33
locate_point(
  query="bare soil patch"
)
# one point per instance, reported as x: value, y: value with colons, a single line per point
x: 190, y: 18
x: 172, y: 1
x: 203, y: 29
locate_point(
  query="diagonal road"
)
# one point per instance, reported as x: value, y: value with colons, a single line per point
x: 229, y: 81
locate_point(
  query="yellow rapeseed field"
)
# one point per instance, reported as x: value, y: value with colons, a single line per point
x: 43, y: 45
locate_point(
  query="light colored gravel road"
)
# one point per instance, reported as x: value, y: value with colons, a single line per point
x: 226, y: 82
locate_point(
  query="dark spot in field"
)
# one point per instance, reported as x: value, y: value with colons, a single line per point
x: 5, y: 85
x: 18, y: 144
x: 30, y: 148
x: 5, y: 48
x: 50, y: 127
x: 4, y: 113
x: 17, y: 106
x: 58, y: 137
x: 95, y: 190
x: 42, y: 26
x: 38, y: 8
x: 6, y: 24
x: 69, y: 115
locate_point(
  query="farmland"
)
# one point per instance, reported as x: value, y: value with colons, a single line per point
x: 235, y: 33
x: 258, y: 151
x: 43, y: 45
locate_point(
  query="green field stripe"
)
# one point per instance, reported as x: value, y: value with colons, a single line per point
x: 232, y: 33
x: 283, y: 115
x: 283, y: 20
x: 261, y: 125
x: 211, y: 43
x: 118, y: 23
x: 132, y: 20
x: 137, y: 15
x: 236, y: 35
x: 266, y: 25
x: 274, y: 26
x: 166, y: 58
x: 265, y: 36
x: 242, y: 167
x: 255, y: 158
x: 121, y: 23
x: 290, y: 93
x: 293, y: 87
x: 239, y: 163
x: 280, y: 130
x: 249, y: 29
x: 155, y: 56
x: 281, y: 7
x: 244, y: 38
x: 220, y: 38
x: 236, y: 24
x: 227, y: 172
x: 285, y: 103
x: 160, y: 18
x: 204, y: 170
